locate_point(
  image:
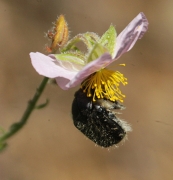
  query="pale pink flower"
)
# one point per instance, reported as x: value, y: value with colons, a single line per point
x: 68, y: 74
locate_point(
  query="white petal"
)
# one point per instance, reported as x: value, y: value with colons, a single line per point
x: 46, y: 66
x: 128, y: 37
x: 69, y: 65
x: 90, y: 68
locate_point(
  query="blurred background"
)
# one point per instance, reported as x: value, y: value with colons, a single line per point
x: 49, y: 146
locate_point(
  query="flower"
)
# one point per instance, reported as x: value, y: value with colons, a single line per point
x: 72, y: 67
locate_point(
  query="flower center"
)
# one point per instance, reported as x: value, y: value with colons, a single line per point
x: 104, y: 84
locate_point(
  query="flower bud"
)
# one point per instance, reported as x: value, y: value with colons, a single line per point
x: 59, y: 34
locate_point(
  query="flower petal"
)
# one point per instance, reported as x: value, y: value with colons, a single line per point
x: 72, y: 63
x: 128, y: 37
x: 47, y: 66
x: 90, y: 68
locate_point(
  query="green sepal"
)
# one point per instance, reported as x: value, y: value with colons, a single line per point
x: 108, y: 39
x: 92, y: 38
x: 73, y: 57
x: 88, y: 38
x: 72, y: 43
x: 96, y: 52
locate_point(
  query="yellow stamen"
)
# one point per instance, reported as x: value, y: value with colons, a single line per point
x: 122, y: 64
x: 104, y: 84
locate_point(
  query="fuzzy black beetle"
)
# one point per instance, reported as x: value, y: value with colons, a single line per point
x: 98, y: 120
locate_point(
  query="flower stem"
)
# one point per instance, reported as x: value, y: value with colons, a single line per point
x: 31, y: 105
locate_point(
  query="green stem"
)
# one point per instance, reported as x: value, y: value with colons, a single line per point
x: 31, y: 105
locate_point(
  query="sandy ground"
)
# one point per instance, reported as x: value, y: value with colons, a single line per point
x: 49, y: 147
